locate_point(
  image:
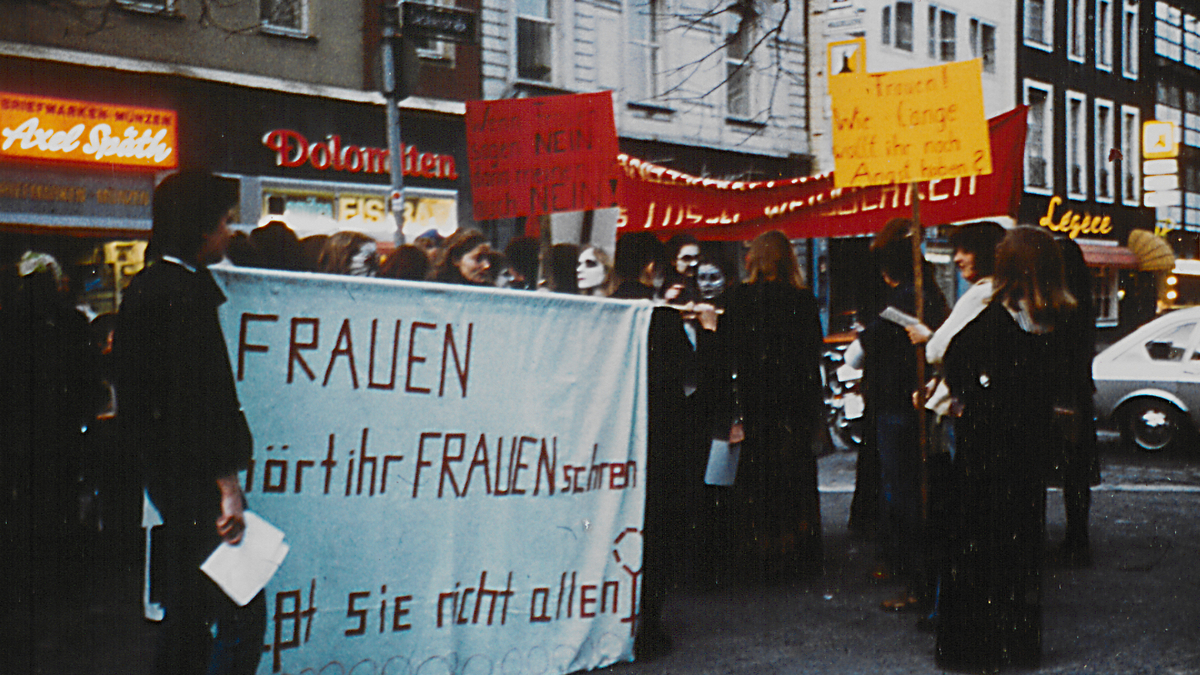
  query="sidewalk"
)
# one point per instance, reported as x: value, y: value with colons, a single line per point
x: 1135, y: 611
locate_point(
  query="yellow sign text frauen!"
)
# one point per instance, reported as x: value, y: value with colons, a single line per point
x: 909, y: 125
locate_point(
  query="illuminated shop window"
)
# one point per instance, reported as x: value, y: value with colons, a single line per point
x: 1105, y: 300
x: 325, y: 211
x: 426, y: 210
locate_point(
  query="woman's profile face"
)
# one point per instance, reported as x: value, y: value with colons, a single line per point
x: 590, y: 271
x: 475, y: 265
x: 965, y: 260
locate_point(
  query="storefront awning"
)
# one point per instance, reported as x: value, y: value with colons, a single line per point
x: 1154, y: 253
x: 1100, y: 255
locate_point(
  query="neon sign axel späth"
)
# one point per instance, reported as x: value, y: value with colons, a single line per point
x: 79, y: 132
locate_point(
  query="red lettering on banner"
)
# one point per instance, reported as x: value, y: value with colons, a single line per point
x: 304, y: 336
x: 512, y: 465
x: 542, y: 155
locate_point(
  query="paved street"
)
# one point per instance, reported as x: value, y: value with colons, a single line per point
x: 1134, y: 611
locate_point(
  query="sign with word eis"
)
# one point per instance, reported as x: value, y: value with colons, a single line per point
x: 530, y: 156
x: 909, y: 125
x: 79, y: 132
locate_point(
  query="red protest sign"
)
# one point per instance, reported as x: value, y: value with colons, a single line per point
x: 530, y: 156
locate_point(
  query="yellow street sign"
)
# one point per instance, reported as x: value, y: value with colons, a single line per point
x: 909, y: 125
x: 847, y: 57
x: 1158, y: 140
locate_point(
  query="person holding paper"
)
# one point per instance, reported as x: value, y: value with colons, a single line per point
x: 180, y: 412
x: 889, y: 380
x: 975, y: 256
x: 771, y: 338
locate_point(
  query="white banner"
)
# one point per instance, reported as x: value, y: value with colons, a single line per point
x: 460, y: 472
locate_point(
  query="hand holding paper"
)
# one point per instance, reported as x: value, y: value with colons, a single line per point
x: 243, y: 570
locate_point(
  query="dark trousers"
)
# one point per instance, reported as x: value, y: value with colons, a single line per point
x: 194, y: 605
x: 900, y: 531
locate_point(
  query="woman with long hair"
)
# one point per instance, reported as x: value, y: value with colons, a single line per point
x: 594, y: 272
x: 349, y: 252
x: 1006, y: 372
x: 465, y: 258
x: 772, y: 339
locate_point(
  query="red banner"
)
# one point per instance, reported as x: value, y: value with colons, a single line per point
x: 530, y: 156
x: 666, y: 201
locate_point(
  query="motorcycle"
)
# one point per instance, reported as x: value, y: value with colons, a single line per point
x: 844, y: 404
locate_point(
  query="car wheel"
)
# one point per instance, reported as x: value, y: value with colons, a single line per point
x: 1152, y: 425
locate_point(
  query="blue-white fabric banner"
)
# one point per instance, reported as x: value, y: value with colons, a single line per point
x: 460, y: 472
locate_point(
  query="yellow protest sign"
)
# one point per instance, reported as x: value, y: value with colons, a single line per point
x: 909, y: 125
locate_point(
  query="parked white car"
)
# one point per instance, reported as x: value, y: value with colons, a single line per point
x: 1148, y: 383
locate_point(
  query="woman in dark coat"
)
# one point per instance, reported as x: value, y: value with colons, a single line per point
x: 772, y: 337
x: 1006, y: 371
x: 1076, y: 464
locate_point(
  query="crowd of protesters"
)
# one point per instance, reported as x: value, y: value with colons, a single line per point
x: 959, y: 464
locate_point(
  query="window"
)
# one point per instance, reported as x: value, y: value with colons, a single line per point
x: 535, y: 40
x: 932, y: 32
x: 1171, y: 344
x: 739, y: 42
x: 1131, y: 127
x: 949, y: 33
x: 1129, y: 40
x: 1039, y: 160
x: 1039, y: 23
x: 1104, y: 33
x: 1190, y: 129
x: 1105, y: 298
x: 1076, y: 29
x: 885, y: 25
x: 904, y: 26
x: 429, y: 48
x: 942, y: 32
x: 1168, y: 31
x: 644, y: 22
x: 1076, y: 146
x: 284, y: 16
x: 983, y: 44
x: 1103, y: 134
x: 1191, y: 40
x: 150, y: 6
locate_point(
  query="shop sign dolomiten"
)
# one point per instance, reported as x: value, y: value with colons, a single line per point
x: 79, y: 132
x: 293, y: 149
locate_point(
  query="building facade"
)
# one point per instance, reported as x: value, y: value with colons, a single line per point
x: 715, y: 89
x: 283, y: 96
x: 1080, y: 70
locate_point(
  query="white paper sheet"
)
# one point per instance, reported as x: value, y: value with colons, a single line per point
x: 899, y: 318
x: 243, y: 570
x: 722, y: 462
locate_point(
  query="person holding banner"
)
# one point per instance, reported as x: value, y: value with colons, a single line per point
x: 974, y: 247
x: 1006, y: 370
x: 889, y: 380
x: 180, y: 411
x: 771, y: 338
x: 639, y: 257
